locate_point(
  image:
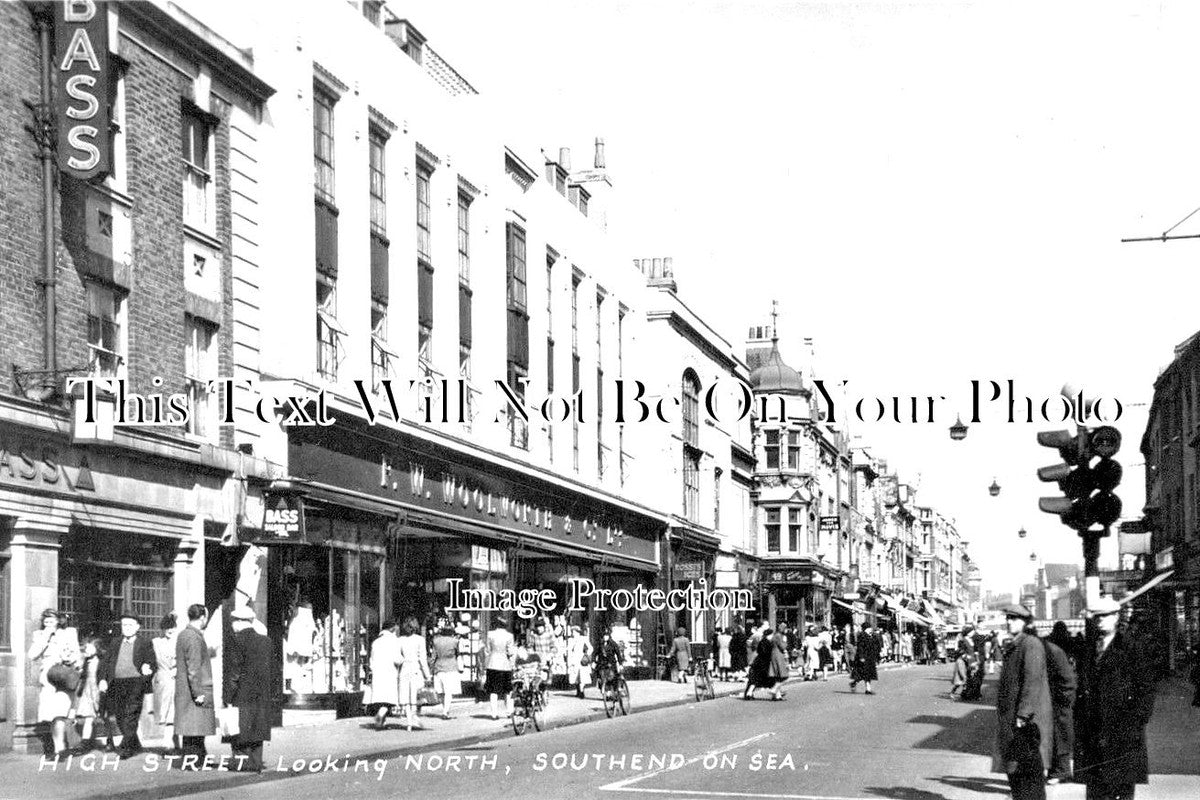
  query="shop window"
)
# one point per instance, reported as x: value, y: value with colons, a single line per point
x: 134, y: 576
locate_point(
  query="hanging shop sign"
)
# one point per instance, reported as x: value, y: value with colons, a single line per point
x: 82, y: 107
x: 283, y: 519
x: 690, y: 570
x: 829, y: 523
x: 787, y: 576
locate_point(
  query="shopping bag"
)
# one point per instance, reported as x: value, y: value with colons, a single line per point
x: 426, y: 696
x: 227, y: 720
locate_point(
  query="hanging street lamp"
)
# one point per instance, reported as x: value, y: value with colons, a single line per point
x: 1022, y: 533
x: 994, y: 489
x: 958, y: 431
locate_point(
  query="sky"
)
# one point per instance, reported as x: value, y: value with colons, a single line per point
x: 934, y: 192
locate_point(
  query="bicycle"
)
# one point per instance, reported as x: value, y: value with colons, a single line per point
x: 703, y: 682
x: 529, y: 705
x: 615, y: 691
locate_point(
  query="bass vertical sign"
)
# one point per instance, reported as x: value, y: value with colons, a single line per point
x: 82, y: 107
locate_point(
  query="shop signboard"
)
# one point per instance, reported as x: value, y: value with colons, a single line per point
x: 689, y: 570
x: 461, y: 494
x: 283, y: 519
x: 81, y: 68
x: 829, y: 523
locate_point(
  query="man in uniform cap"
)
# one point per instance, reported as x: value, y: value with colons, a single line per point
x: 1023, y: 707
x: 1116, y: 699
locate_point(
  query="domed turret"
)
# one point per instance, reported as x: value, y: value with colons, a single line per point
x: 775, y: 377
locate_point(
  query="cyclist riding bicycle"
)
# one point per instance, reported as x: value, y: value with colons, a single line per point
x: 609, y: 658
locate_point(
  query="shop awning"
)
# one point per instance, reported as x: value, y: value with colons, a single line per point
x: 857, y: 609
x: 1147, y: 586
x: 932, y: 614
x: 900, y: 611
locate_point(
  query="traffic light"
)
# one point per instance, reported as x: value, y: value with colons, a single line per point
x: 1087, y: 487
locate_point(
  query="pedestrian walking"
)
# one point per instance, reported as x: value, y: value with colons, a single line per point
x: 681, y: 654
x: 88, y: 697
x: 724, y: 656
x: 163, y: 683
x: 977, y: 660
x: 543, y: 642
x: 248, y: 688
x: 195, y: 709
x: 1025, y: 716
x: 737, y: 652
x: 498, y: 660
x: 414, y: 670
x: 824, y: 651
x: 867, y: 651
x: 447, y: 681
x: 1063, y: 684
x: 963, y: 654
x: 385, y: 673
x: 579, y: 659
x: 810, y: 646
x: 1116, y: 700
x: 54, y: 655
x: 779, y: 670
x: 126, y: 676
x: 759, y: 675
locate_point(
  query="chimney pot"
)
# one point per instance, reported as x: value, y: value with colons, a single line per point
x: 564, y: 158
x: 599, y: 163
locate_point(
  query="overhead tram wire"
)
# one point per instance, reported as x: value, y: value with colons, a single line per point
x: 1165, y: 234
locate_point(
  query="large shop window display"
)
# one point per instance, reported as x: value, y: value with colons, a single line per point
x: 334, y: 607
x: 424, y: 565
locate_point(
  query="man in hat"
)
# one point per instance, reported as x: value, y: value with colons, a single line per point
x: 248, y: 688
x: 195, y: 714
x: 125, y: 673
x: 1116, y: 699
x: 1025, y: 716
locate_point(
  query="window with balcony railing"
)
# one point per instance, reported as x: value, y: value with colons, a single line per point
x: 106, y: 330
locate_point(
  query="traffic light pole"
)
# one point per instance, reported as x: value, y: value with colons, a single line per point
x: 1091, y: 566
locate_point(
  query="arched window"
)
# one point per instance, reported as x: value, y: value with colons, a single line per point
x: 691, y: 445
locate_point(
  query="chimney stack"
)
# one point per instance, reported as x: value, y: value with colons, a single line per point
x: 564, y: 158
x: 599, y: 162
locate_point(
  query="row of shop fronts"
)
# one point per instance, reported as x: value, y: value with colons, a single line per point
x: 368, y: 524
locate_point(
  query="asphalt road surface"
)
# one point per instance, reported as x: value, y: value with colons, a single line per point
x: 907, y: 741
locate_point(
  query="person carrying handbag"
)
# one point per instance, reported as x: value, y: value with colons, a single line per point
x: 54, y: 656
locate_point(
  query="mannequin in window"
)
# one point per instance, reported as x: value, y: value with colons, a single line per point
x: 298, y: 649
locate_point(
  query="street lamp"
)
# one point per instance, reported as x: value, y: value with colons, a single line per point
x: 1022, y: 533
x: 994, y: 489
x: 958, y: 431
x: 1033, y: 556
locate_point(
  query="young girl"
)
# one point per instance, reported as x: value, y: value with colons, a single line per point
x: 87, y: 699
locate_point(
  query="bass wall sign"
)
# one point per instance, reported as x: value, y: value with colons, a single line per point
x: 82, y: 88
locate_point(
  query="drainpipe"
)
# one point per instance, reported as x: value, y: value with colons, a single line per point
x: 43, y: 133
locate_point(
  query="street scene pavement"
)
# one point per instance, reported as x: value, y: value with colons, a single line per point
x: 908, y: 741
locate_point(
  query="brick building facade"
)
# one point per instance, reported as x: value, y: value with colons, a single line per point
x: 94, y: 521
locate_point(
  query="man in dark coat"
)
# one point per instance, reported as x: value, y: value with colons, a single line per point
x: 1063, y: 683
x: 195, y: 714
x: 1116, y: 699
x: 248, y: 687
x: 1023, y: 705
x: 866, y: 658
x: 125, y: 673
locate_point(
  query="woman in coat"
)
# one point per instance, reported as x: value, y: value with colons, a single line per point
x: 195, y: 709
x: 163, y: 683
x: 385, y: 673
x: 53, y: 645
x: 414, y: 669
x: 778, y: 670
x: 681, y: 651
x: 248, y: 687
x: 760, y: 667
x: 737, y: 650
x: 579, y: 649
x: 866, y: 658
